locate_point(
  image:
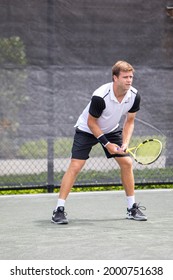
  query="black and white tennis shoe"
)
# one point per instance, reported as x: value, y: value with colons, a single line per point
x: 59, y: 216
x: 135, y: 213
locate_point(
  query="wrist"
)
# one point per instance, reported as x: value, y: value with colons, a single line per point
x: 103, y: 140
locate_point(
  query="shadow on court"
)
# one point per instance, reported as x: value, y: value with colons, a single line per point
x: 97, y: 227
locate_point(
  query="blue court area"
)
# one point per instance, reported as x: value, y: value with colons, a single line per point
x: 97, y: 227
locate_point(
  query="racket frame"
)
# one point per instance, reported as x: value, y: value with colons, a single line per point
x: 142, y: 143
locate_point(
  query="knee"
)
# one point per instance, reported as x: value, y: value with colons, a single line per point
x: 76, y: 166
x: 126, y: 163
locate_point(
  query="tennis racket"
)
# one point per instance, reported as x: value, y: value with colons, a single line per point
x: 146, y: 152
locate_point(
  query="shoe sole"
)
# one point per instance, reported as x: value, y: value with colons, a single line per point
x: 136, y: 219
x: 59, y: 223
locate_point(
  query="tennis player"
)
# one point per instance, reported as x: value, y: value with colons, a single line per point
x: 99, y: 123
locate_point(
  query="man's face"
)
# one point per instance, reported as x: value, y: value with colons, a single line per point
x: 124, y: 80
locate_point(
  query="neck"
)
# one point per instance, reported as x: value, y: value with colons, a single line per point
x: 119, y: 94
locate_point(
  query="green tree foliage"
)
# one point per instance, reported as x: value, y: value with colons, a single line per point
x: 12, y: 50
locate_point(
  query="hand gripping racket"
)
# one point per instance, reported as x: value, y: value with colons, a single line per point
x: 146, y: 152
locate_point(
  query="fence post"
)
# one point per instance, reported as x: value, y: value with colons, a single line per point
x: 50, y: 84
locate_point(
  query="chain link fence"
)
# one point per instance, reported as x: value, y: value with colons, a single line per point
x: 52, y: 58
x: 37, y: 133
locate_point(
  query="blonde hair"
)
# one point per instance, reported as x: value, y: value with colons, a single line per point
x: 121, y: 66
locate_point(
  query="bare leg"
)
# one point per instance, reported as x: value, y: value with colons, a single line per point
x: 127, y: 176
x: 70, y: 176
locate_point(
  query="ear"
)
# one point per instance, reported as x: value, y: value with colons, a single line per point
x: 114, y: 78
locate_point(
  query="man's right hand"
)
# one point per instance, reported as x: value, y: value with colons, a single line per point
x: 114, y: 149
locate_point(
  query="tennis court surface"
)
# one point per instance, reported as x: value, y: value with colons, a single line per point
x: 97, y: 227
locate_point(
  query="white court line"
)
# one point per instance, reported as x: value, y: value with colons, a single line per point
x: 84, y: 193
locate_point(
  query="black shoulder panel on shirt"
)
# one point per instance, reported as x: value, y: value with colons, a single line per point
x: 136, y: 104
x: 97, y: 106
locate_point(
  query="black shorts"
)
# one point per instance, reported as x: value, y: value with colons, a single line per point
x: 84, y: 141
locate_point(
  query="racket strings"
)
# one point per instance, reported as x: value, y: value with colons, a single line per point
x: 148, y: 152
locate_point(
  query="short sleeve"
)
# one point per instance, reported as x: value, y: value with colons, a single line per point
x: 136, y: 104
x: 97, y: 106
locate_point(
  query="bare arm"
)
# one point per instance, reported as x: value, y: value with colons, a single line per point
x: 128, y: 129
x: 93, y: 126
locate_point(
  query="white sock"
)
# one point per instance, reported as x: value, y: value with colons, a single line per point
x: 61, y: 202
x: 130, y: 201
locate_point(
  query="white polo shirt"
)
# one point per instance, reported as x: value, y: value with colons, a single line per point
x: 105, y: 106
